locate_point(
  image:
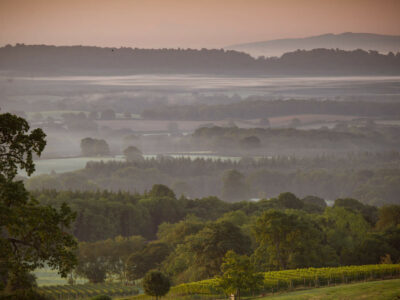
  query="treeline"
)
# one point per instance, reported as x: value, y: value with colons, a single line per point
x: 269, y: 141
x: 189, y: 238
x: 95, y: 60
x: 254, y: 108
x: 371, y: 178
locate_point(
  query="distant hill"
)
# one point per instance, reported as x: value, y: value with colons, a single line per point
x: 82, y: 60
x: 345, y: 41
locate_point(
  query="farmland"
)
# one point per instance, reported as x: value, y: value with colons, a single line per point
x: 376, y: 290
x: 289, y: 280
x: 84, y: 291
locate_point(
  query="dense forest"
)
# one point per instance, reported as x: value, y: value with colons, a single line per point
x: 52, y: 60
x: 371, y: 178
x: 188, y: 238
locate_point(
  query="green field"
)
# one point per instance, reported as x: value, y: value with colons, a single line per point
x: 375, y: 290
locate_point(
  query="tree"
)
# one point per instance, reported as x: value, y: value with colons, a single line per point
x: 289, y: 200
x: 156, y: 284
x: 210, y: 245
x: 133, y: 154
x: 92, y: 265
x: 345, y: 229
x: 234, y: 188
x: 288, y: 240
x: 313, y: 204
x: 94, y: 147
x: 239, y: 274
x: 314, y: 200
x: 31, y: 235
x: 149, y: 258
x: 160, y: 190
x: 389, y: 216
x: 370, y: 213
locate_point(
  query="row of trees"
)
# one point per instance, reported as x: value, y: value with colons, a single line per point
x: 78, y: 59
x: 371, y: 178
x: 256, y: 107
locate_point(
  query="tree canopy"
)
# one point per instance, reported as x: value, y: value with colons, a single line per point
x: 156, y: 284
x: 32, y: 235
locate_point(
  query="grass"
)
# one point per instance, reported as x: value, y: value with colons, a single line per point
x: 374, y: 290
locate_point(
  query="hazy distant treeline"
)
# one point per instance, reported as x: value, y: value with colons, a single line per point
x: 371, y: 178
x: 253, y: 109
x: 290, y: 141
x: 44, y: 59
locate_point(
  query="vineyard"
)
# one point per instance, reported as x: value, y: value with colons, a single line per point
x: 83, y: 291
x: 276, y: 281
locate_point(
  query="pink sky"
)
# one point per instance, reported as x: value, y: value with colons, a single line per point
x: 188, y: 23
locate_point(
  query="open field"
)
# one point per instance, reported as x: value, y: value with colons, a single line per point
x: 289, y: 280
x: 372, y: 290
x: 375, y: 290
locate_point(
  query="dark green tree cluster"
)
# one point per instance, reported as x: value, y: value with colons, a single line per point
x: 31, y: 235
x: 94, y: 147
x: 188, y: 239
x: 239, y: 274
x: 156, y: 284
x: 107, y: 258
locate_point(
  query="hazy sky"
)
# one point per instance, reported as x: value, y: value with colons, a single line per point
x: 188, y: 23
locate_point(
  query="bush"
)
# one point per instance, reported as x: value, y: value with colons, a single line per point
x: 156, y: 284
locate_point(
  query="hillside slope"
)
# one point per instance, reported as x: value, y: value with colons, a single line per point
x: 345, y: 41
x: 81, y: 60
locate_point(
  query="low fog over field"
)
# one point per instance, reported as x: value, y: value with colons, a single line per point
x: 251, y: 120
x: 142, y: 157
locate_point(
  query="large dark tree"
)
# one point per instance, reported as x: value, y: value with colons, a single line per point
x: 31, y: 235
x: 210, y: 245
x: 156, y: 284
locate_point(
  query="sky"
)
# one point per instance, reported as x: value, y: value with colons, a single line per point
x: 188, y: 23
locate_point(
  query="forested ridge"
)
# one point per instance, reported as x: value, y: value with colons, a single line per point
x: 370, y: 177
x: 188, y: 238
x: 43, y: 59
x: 255, y: 107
